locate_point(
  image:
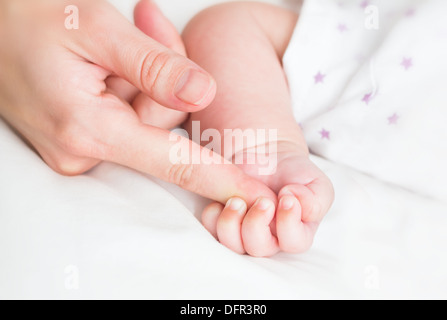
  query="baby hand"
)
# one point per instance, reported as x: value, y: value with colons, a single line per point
x: 266, y: 227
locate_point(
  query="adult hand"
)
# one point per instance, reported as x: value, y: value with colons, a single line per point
x: 57, y: 91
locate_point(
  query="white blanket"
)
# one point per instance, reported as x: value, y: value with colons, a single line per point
x: 116, y: 233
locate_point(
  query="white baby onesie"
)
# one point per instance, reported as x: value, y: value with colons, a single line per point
x: 368, y: 80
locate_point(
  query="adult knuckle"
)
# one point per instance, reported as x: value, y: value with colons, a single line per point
x: 182, y: 175
x: 152, y: 66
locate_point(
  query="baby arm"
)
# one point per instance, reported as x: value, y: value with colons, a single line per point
x: 241, y: 45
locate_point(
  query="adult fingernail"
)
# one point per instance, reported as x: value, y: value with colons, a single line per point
x: 287, y: 202
x: 235, y: 204
x: 193, y: 86
x: 263, y: 204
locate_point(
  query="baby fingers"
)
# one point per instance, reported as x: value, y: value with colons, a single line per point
x: 256, y: 233
x: 210, y: 215
x: 315, y: 198
x: 229, y: 224
x: 294, y: 235
x: 242, y: 231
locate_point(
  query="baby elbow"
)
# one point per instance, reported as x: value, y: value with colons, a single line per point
x: 216, y: 17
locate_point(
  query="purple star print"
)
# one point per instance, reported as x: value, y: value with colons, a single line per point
x: 393, y: 119
x: 342, y: 27
x: 407, y: 63
x: 367, y: 98
x: 325, y: 134
x: 319, y: 77
x: 364, y: 4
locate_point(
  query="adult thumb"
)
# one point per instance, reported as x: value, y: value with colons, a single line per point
x: 169, y: 78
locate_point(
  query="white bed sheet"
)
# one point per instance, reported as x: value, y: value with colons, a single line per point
x: 116, y: 233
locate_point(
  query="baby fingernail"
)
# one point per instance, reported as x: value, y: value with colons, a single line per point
x: 286, y: 192
x: 287, y: 202
x: 235, y: 204
x: 264, y: 204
